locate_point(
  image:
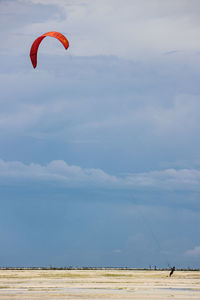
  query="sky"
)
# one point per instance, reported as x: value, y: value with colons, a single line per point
x: 99, y: 145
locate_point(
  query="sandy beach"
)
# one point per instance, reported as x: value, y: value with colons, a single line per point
x: 98, y: 284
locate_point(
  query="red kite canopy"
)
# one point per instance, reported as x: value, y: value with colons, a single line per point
x: 36, y: 43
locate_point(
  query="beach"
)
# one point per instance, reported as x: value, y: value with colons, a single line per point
x: 98, y: 284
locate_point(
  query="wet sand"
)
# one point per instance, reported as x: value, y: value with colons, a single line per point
x: 98, y: 284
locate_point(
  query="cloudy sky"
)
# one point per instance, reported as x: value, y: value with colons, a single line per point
x: 99, y: 145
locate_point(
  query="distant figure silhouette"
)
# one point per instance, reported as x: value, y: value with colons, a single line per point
x: 172, y: 271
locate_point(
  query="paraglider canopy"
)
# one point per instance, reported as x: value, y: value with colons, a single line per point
x: 36, y: 43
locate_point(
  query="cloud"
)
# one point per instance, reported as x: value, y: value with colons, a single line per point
x: 60, y: 172
x: 56, y: 171
x: 117, y: 251
x: 195, y: 252
x: 100, y: 93
x: 16, y: 17
x: 109, y: 106
x: 135, y: 30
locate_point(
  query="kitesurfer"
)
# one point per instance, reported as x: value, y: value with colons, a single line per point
x: 172, y: 271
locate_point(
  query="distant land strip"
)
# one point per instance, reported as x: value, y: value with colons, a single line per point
x: 99, y: 268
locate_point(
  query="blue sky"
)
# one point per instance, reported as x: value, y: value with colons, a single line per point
x: 99, y: 145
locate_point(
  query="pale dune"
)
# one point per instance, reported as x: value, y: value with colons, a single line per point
x: 98, y: 284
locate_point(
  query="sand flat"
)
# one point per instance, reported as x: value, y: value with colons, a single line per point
x: 98, y: 284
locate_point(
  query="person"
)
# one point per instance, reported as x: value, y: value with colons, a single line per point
x: 172, y: 271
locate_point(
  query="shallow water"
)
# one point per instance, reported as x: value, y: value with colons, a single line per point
x: 182, y: 289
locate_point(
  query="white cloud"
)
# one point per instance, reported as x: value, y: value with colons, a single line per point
x: 56, y: 171
x: 61, y: 172
x: 132, y: 29
x: 117, y: 251
x: 195, y: 252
